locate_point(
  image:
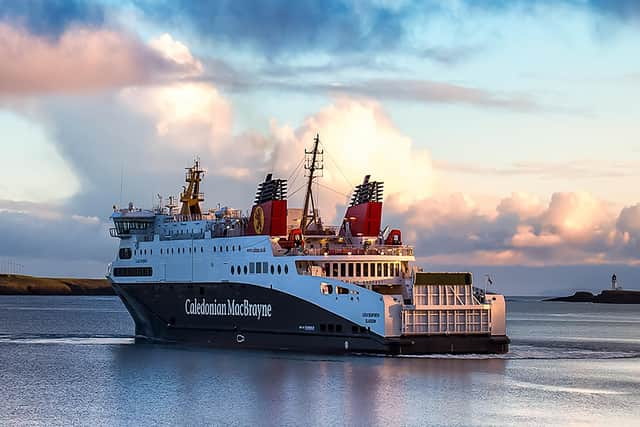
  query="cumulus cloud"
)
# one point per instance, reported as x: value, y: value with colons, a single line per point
x: 571, y: 228
x: 82, y: 60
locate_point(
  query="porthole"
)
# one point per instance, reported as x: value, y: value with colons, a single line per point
x: 279, y: 269
x: 232, y: 269
x: 220, y: 248
x: 286, y: 269
x: 239, y: 270
x: 272, y: 269
x: 238, y: 248
x: 227, y: 248
x: 160, y: 251
x: 214, y: 249
x: 245, y: 269
x: 201, y: 249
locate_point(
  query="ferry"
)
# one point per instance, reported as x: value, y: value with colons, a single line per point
x: 277, y: 278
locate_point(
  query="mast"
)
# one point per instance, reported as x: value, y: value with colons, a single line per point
x: 191, y: 196
x: 314, y: 162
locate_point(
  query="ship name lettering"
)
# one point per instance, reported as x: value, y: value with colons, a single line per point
x: 243, y: 308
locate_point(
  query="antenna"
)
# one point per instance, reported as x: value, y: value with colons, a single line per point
x: 121, y: 182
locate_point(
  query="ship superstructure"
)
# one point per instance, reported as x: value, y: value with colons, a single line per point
x: 278, y: 278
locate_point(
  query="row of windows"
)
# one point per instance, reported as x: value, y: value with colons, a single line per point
x: 330, y: 327
x: 362, y: 269
x: 327, y: 289
x: 125, y: 253
x: 132, y: 271
x: 259, y: 268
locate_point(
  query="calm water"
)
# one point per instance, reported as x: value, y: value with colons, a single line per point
x: 71, y: 360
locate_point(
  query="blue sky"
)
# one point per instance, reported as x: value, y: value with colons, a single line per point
x: 507, y: 132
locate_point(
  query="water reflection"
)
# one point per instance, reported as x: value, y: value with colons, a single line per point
x: 277, y: 388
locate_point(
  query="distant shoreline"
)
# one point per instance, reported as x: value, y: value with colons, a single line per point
x: 618, y: 296
x: 17, y: 284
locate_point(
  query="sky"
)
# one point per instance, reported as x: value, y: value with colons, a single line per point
x: 507, y: 132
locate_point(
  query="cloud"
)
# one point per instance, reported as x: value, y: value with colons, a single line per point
x: 82, y: 60
x: 281, y: 27
x: 572, y: 228
x: 52, y: 17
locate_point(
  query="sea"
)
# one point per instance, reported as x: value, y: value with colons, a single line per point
x: 68, y: 360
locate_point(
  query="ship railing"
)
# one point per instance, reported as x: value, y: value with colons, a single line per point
x: 389, y: 250
x: 446, y: 320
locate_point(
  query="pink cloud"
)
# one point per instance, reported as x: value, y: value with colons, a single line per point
x: 81, y: 60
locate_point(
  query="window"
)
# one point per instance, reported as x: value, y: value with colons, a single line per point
x: 323, y: 327
x: 201, y: 249
x: 150, y: 251
x: 327, y: 269
x: 372, y: 269
x: 160, y: 251
x: 354, y: 329
x: 365, y: 269
x: 220, y: 248
x: 279, y: 269
x: 272, y: 269
x: 124, y: 253
x: 145, y: 251
x: 252, y: 267
x: 343, y: 269
x: 232, y: 269
x: 238, y: 269
x: 233, y: 248
x: 330, y: 327
x: 132, y: 271
x: 245, y: 269
x: 265, y: 267
x: 238, y: 248
x: 338, y: 328
x: 358, y: 269
x: 189, y: 249
x: 226, y: 248
x: 214, y: 249
x: 386, y: 269
x: 397, y: 269
x: 171, y: 251
x: 341, y: 291
x: 286, y: 269
x: 258, y: 267
x: 350, y: 265
x: 326, y: 289
x: 379, y: 271
x: 335, y: 270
